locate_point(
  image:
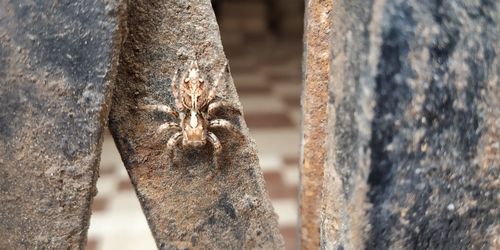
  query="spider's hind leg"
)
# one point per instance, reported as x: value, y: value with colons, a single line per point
x: 160, y: 107
x: 212, y: 138
x: 221, y: 123
x: 168, y: 126
x: 171, y: 144
x: 221, y: 105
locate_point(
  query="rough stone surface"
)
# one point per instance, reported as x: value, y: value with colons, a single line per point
x: 343, y: 219
x: 56, y: 67
x: 187, y: 201
x: 314, y: 112
x: 414, y: 121
x: 436, y: 112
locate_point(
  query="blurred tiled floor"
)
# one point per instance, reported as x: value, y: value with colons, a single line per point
x: 266, y: 72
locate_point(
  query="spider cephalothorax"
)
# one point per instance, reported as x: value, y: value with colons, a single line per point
x: 195, y: 108
x: 192, y: 92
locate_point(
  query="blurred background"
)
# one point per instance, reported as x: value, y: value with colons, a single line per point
x: 263, y: 42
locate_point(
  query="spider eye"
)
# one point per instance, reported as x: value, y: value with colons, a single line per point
x: 201, y: 80
x: 186, y: 80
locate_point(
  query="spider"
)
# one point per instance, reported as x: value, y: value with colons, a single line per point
x: 195, y: 109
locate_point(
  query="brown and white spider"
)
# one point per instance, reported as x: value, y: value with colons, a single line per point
x: 195, y: 108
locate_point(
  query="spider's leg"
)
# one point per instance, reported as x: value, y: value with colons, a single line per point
x: 221, y: 123
x: 212, y: 92
x: 214, y: 106
x: 168, y: 126
x: 217, y: 148
x: 160, y: 107
x: 171, y: 143
x: 175, y: 91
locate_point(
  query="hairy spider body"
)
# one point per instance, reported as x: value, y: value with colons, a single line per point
x: 195, y: 108
x: 195, y: 130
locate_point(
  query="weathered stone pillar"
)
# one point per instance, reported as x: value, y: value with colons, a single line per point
x: 188, y: 202
x: 57, y: 67
x: 413, y: 142
x: 314, y: 110
x: 350, y: 110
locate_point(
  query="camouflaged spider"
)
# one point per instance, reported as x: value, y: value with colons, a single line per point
x: 195, y: 109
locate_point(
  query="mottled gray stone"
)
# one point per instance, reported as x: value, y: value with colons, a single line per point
x: 57, y: 63
x: 414, y: 121
x: 187, y: 201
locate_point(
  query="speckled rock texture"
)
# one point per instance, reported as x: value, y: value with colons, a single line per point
x: 57, y: 64
x: 414, y: 118
x: 188, y: 202
x: 314, y: 123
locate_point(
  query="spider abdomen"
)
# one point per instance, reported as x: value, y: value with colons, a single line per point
x: 194, y: 130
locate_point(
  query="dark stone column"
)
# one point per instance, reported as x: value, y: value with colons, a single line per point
x: 413, y: 129
x: 433, y: 181
x: 57, y: 65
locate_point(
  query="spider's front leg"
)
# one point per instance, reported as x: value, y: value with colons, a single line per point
x: 176, y: 91
x: 212, y: 138
x: 213, y: 91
